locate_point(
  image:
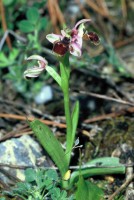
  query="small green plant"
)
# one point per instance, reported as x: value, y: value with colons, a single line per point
x: 40, y: 185
x: 68, y: 41
x: 14, y: 59
x: 32, y: 25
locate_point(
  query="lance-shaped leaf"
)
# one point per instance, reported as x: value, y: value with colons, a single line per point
x: 88, y: 191
x: 54, y: 75
x: 50, y: 144
x: 99, y: 166
x: 75, y: 117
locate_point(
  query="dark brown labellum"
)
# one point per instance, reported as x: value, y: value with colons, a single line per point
x: 93, y: 37
x: 61, y: 47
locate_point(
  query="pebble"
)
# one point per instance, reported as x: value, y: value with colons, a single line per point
x: 45, y: 95
x: 23, y: 151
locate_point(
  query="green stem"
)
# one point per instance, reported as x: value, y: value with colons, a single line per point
x: 65, y: 73
x: 35, y: 35
x: 69, y: 124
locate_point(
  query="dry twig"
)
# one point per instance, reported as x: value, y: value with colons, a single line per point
x: 110, y: 115
x: 20, y: 117
x: 55, y: 14
x: 4, y: 25
x: 123, y: 186
x: 107, y: 98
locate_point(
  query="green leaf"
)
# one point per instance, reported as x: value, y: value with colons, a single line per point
x: 54, y: 75
x: 8, y: 61
x: 64, y: 77
x: 26, y: 26
x: 75, y: 117
x: 3, y: 60
x: 99, y: 166
x: 48, y: 184
x: 8, y: 2
x: 13, y: 54
x: 33, y: 15
x: 63, y: 195
x: 52, y: 174
x: 64, y: 63
x: 56, y: 193
x: 22, y: 187
x: 50, y: 144
x: 41, y: 180
x: 105, y: 162
x: 43, y: 23
x: 30, y: 175
x: 88, y: 191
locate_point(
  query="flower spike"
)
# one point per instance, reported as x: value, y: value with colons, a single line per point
x: 71, y: 40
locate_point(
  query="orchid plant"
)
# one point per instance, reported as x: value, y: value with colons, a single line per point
x: 68, y: 42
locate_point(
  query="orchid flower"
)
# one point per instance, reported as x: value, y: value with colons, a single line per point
x: 71, y: 40
x: 36, y: 70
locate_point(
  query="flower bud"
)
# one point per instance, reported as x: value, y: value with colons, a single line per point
x: 35, y: 71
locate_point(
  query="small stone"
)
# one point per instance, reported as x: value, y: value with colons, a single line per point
x: 23, y: 151
x: 45, y: 95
